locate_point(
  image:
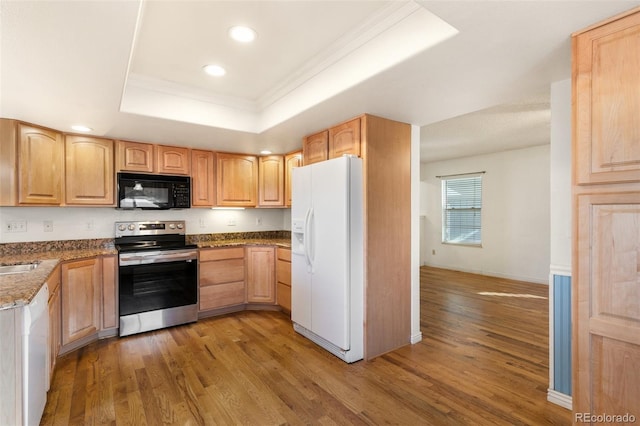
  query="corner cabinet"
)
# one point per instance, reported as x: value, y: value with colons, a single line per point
x: 89, y: 166
x: 271, y: 181
x: 261, y: 286
x: 236, y: 180
x: 606, y: 233
x: 345, y: 139
x: 315, y: 148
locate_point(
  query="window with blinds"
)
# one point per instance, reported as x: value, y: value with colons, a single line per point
x: 461, y: 210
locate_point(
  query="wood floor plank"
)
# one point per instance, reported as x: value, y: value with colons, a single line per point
x: 483, y: 360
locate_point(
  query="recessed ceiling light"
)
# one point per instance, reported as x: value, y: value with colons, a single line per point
x: 81, y: 128
x: 265, y: 152
x: 214, y: 70
x: 242, y: 34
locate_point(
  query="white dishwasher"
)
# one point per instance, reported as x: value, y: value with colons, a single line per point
x: 35, y: 357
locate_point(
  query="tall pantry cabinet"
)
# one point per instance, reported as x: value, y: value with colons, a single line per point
x: 606, y: 215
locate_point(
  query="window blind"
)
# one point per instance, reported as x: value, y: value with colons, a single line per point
x: 462, y: 208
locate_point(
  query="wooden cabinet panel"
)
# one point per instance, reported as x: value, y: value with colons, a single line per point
x: 345, y: 139
x: 222, y: 295
x: 203, y: 181
x: 80, y: 299
x: 607, y: 102
x: 261, y: 275
x: 221, y: 277
x: 109, y: 293
x: 173, y: 160
x: 135, y: 157
x: 236, y: 180
x: 315, y: 148
x: 291, y: 160
x: 55, y: 319
x: 90, y: 178
x: 271, y: 181
x: 40, y: 150
x: 283, y: 278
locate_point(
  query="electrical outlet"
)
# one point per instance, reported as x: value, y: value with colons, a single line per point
x: 47, y: 225
x: 16, y: 226
x: 89, y: 225
x: 433, y: 251
x: 231, y: 222
x: 258, y: 221
x: 201, y: 222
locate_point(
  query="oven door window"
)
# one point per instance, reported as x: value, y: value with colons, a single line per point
x: 156, y: 286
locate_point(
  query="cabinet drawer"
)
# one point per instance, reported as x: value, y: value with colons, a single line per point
x: 222, y: 271
x: 218, y: 296
x: 284, y: 254
x: 283, y: 272
x: 284, y: 296
x: 222, y: 253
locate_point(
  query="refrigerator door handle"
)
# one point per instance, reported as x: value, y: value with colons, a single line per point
x: 311, y: 238
x: 307, y: 238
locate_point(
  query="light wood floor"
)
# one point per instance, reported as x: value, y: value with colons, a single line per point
x: 482, y: 360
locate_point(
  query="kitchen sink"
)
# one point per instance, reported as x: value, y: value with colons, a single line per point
x: 17, y: 269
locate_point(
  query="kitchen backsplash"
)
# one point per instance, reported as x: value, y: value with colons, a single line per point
x: 79, y: 223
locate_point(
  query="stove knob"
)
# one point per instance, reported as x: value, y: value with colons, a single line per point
x: 131, y: 227
x: 180, y: 226
x: 172, y: 226
x: 122, y: 227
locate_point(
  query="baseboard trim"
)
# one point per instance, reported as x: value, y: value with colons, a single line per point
x: 560, y: 399
x: 416, y: 338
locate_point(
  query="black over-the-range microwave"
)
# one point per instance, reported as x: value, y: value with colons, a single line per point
x: 153, y: 192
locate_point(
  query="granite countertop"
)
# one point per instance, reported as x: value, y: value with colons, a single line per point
x: 278, y: 242
x: 17, y: 290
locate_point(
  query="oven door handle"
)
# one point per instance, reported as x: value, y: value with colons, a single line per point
x: 143, y: 258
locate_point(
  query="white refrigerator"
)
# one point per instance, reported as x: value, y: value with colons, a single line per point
x: 327, y: 284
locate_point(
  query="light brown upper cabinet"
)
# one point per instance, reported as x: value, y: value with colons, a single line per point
x: 271, y: 181
x: 315, y: 148
x: 203, y: 187
x: 135, y: 157
x: 90, y: 179
x: 606, y: 212
x: 236, y: 180
x: 173, y: 160
x: 24, y: 149
x: 607, y: 102
x: 291, y: 160
x: 345, y: 139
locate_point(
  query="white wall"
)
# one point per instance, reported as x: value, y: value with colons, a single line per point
x: 515, y: 215
x: 70, y: 223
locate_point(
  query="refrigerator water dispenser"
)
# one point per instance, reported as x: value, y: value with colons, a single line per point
x: 297, y: 236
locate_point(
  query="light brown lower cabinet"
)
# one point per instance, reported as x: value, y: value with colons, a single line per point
x: 110, y: 320
x: 261, y: 275
x: 80, y: 299
x: 283, y: 278
x: 222, y: 277
x: 55, y: 318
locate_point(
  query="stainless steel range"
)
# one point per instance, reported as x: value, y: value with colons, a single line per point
x: 158, y: 276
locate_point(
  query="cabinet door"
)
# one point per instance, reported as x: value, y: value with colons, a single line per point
x: 90, y: 179
x: 135, y: 157
x: 607, y: 102
x: 271, y: 181
x: 109, y: 293
x: 80, y: 299
x: 202, y: 178
x: 40, y: 166
x: 173, y: 160
x: 291, y: 160
x: 261, y: 275
x: 345, y: 139
x: 236, y: 180
x: 315, y: 148
x: 55, y: 318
